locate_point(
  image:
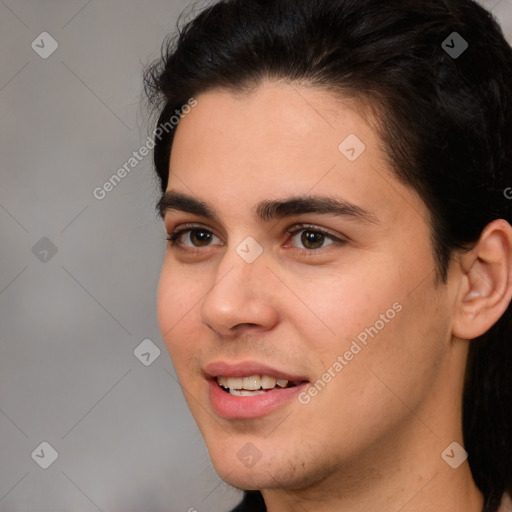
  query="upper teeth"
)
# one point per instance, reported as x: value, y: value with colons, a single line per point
x: 252, y: 383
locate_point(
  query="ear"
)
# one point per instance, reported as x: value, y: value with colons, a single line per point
x: 486, y: 285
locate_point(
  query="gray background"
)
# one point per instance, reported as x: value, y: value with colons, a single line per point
x: 70, y: 321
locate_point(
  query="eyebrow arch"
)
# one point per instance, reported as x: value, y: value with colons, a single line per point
x: 269, y: 209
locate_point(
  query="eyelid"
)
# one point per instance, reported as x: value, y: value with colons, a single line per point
x: 183, y: 228
x: 291, y: 231
x: 297, y: 228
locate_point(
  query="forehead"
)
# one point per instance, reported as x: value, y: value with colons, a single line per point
x: 277, y: 121
x: 284, y: 140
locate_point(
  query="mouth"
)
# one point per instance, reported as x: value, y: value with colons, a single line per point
x: 254, y: 384
x: 250, y: 390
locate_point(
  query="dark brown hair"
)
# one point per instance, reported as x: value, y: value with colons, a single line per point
x: 445, y: 120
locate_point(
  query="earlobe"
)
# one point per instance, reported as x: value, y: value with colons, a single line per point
x: 486, y: 288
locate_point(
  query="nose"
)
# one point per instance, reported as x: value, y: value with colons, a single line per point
x: 240, y: 296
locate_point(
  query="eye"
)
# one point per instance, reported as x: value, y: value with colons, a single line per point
x: 197, y: 237
x: 312, y: 238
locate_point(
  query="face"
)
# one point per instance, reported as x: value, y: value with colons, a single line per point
x: 340, y: 302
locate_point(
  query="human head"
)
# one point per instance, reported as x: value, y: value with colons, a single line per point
x: 444, y: 123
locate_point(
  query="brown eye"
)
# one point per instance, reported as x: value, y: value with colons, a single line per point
x: 312, y: 239
x: 197, y: 237
x: 201, y: 236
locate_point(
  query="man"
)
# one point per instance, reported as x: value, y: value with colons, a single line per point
x: 335, y: 292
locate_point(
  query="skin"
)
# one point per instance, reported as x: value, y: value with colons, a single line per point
x: 372, y: 438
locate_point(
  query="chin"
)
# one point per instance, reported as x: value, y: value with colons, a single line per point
x: 241, y: 468
x: 248, y: 483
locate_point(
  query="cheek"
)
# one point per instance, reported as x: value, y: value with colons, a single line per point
x: 175, y: 309
x: 338, y: 307
x: 166, y: 303
x: 389, y: 366
x: 378, y: 326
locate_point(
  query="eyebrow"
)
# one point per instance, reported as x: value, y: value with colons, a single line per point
x: 269, y: 209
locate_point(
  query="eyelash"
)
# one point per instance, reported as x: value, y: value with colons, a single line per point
x: 172, y: 238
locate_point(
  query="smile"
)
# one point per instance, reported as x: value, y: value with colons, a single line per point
x: 252, y: 385
x: 249, y: 389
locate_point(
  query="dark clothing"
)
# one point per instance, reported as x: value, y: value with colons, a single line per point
x: 252, y: 502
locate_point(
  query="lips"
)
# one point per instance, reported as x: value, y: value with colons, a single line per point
x: 249, y: 389
x: 247, y: 369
